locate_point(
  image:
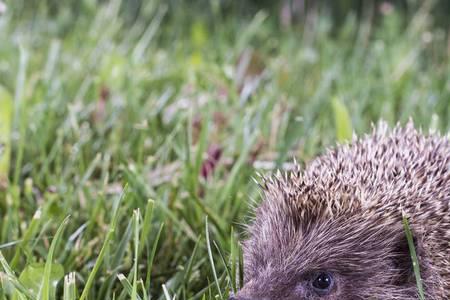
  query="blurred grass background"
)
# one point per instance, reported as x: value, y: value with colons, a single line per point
x: 107, y: 104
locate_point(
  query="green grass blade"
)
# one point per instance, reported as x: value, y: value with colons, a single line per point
x: 127, y: 286
x: 144, y: 290
x: 30, y: 233
x: 211, y: 259
x: 11, y: 278
x: 224, y: 262
x: 108, y: 238
x: 234, y: 257
x: 187, y: 273
x: 146, y: 226
x: 44, y: 293
x: 150, y: 32
x: 6, y: 112
x: 241, y: 268
x: 121, y: 250
x: 166, y: 293
x: 415, y: 260
x: 5, y: 265
x: 136, y: 215
x: 152, y: 256
x: 20, y: 291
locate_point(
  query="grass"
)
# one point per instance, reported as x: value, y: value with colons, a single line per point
x: 142, y: 129
x: 414, y: 259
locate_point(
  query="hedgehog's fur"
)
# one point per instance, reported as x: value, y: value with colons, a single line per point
x: 343, y: 214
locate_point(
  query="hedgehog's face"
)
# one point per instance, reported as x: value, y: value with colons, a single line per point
x: 348, y: 256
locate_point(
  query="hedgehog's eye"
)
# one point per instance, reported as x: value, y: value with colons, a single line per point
x: 322, y: 283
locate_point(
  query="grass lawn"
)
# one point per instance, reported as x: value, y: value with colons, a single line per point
x: 129, y: 140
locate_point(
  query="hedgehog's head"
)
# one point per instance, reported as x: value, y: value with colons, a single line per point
x: 308, y: 242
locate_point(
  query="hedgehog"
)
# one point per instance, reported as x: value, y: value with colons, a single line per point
x: 336, y: 229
